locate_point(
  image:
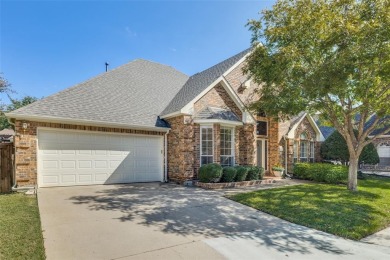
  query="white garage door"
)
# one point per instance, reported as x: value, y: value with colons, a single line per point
x: 67, y: 158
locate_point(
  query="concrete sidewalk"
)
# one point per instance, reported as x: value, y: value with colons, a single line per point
x: 165, y: 221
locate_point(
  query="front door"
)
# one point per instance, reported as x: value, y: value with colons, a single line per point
x: 262, y: 153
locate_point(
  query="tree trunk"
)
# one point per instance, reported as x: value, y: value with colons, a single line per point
x: 352, y: 174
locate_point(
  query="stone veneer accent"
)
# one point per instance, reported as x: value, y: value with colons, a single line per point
x: 26, y: 146
x: 223, y: 185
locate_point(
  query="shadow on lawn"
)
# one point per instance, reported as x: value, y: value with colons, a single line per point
x: 190, y: 211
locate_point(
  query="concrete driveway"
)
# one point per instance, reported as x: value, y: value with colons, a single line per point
x: 165, y: 221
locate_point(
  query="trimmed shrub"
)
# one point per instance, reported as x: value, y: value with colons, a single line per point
x: 228, y: 174
x: 211, y: 172
x: 241, y: 173
x: 254, y: 173
x: 321, y: 172
x: 301, y: 171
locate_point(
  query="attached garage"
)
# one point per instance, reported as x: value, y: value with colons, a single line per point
x: 68, y: 158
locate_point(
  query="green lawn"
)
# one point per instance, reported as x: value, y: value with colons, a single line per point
x: 20, y: 228
x: 330, y: 208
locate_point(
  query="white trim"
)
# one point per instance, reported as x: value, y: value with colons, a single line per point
x: 91, y: 131
x: 233, y: 144
x: 237, y: 64
x: 217, y: 121
x: 319, y: 136
x: 166, y: 157
x: 50, y: 119
x: 212, y: 142
x: 232, y: 94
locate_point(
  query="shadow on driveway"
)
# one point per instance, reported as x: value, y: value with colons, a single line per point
x: 191, y: 211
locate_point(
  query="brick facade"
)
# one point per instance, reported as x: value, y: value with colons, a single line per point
x: 184, y: 137
x: 26, y: 146
x: 303, y: 127
x: 183, y: 154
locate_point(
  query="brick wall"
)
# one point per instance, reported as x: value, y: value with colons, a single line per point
x: 273, y: 144
x: 236, y: 78
x: 181, y: 148
x: 247, y: 145
x: 26, y: 146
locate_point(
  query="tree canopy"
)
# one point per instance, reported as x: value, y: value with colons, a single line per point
x: 327, y: 56
x: 15, y: 104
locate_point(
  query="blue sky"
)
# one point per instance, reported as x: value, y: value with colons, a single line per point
x: 47, y: 46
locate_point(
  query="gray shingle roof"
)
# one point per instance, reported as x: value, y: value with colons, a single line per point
x: 132, y: 94
x: 199, y: 82
x: 217, y: 113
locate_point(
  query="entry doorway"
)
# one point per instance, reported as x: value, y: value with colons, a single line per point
x: 262, y: 153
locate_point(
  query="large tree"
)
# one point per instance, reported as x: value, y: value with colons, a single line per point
x: 5, y: 87
x: 15, y: 104
x: 331, y: 56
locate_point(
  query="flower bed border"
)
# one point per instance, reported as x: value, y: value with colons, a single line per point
x: 224, y: 185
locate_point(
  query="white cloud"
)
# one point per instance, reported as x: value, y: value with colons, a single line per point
x: 172, y: 49
x: 130, y: 32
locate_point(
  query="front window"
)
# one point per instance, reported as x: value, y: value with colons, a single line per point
x: 262, y: 128
x: 206, y: 140
x: 227, y: 146
x: 303, y: 151
x: 312, y: 152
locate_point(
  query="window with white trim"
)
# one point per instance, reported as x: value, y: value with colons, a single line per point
x: 206, y: 143
x: 304, y: 148
x: 312, y: 152
x: 227, y: 146
x: 295, y: 151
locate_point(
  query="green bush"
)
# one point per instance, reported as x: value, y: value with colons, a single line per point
x: 211, y: 172
x: 321, y: 172
x: 254, y: 173
x: 228, y: 174
x: 241, y: 173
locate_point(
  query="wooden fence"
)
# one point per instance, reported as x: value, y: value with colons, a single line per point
x: 6, y: 166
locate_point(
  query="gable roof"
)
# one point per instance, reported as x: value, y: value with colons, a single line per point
x: 131, y: 95
x: 7, y: 132
x: 296, y: 120
x: 383, y: 125
x: 200, y: 81
x: 326, y: 130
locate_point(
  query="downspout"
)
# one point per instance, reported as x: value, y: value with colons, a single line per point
x: 285, y: 153
x: 166, y: 156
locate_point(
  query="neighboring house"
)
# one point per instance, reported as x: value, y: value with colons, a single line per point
x: 142, y: 122
x: 300, y: 140
x: 7, y: 135
x: 382, y: 143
